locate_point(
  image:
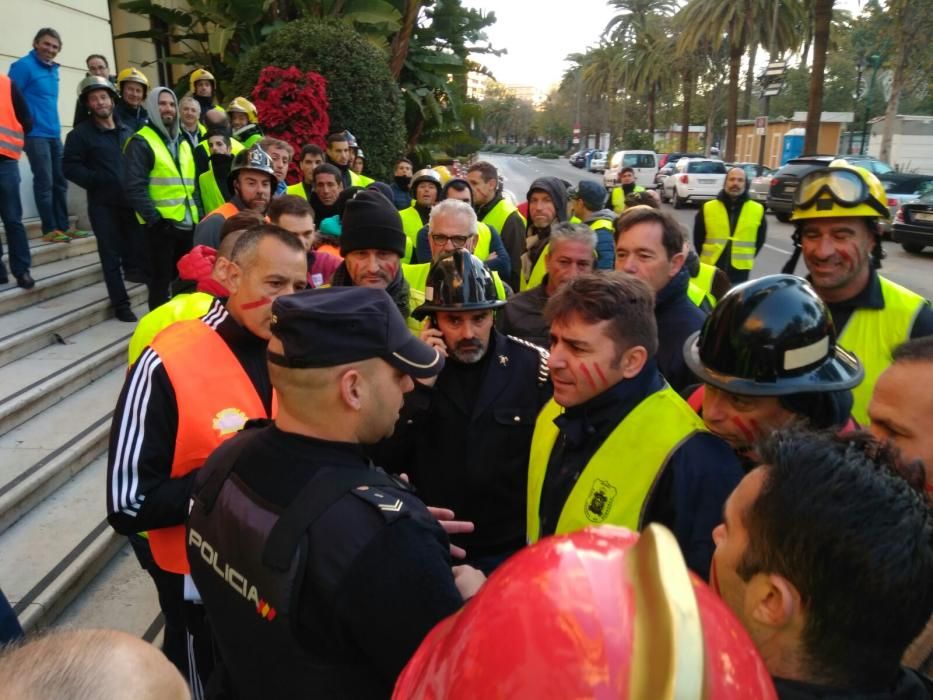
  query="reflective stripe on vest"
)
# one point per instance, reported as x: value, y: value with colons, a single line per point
x: 538, y: 271
x: 483, y: 241
x: 872, y: 334
x: 617, y: 200
x: 615, y: 485
x: 700, y: 288
x: 417, y: 278
x: 11, y: 131
x: 497, y: 216
x: 716, y: 219
x: 214, y: 400
x: 211, y: 196
x: 171, y: 183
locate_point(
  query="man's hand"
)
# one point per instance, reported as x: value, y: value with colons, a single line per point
x: 468, y: 580
x: 433, y: 337
x: 445, y: 517
x: 492, y: 256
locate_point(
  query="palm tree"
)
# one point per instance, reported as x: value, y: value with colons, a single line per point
x: 736, y: 24
x: 822, y: 20
x: 634, y: 17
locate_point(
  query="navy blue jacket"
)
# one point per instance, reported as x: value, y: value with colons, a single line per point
x: 690, y: 489
x: 93, y: 159
x: 677, y: 319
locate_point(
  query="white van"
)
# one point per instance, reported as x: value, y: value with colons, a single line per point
x: 644, y: 163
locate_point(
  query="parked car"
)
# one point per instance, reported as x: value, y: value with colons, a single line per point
x: 598, y: 161
x: 759, y: 186
x: 662, y: 175
x: 644, y: 163
x: 913, y: 224
x: 672, y: 158
x: 902, y: 188
x: 783, y: 185
x: 693, y: 180
x: 578, y: 159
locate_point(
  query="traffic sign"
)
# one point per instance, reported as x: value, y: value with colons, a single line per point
x: 761, y: 125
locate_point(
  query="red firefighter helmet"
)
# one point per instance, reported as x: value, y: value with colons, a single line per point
x: 600, y: 613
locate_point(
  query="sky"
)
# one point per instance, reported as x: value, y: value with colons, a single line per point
x: 539, y: 36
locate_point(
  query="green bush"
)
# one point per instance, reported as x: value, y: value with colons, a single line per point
x: 364, y: 97
x: 532, y: 150
x: 490, y: 148
x: 510, y: 149
x: 549, y: 155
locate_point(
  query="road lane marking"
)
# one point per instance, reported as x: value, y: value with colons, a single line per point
x: 779, y: 250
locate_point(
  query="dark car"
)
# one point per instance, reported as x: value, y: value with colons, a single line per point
x: 578, y: 159
x: 902, y: 188
x: 913, y: 224
x: 784, y: 183
x: 672, y: 158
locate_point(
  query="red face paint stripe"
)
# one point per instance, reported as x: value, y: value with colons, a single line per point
x: 746, y: 431
x: 256, y: 304
x: 601, y: 375
x: 589, y: 377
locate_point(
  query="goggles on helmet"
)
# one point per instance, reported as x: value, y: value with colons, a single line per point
x: 826, y: 186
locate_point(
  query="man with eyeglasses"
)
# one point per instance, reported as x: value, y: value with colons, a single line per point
x: 837, y: 213
x: 452, y: 226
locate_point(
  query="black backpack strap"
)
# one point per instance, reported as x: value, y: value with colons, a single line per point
x: 312, y: 501
x: 229, y: 454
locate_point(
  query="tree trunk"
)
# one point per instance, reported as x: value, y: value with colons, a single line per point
x: 749, y: 82
x: 822, y: 18
x: 650, y: 105
x: 807, y: 37
x: 685, y: 117
x: 398, y: 52
x: 732, y: 108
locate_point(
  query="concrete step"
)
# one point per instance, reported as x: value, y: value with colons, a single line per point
x: 49, y: 556
x: 34, y: 226
x: 52, y: 280
x: 44, y: 453
x: 121, y: 597
x: 34, y: 327
x: 37, y: 382
x: 43, y: 253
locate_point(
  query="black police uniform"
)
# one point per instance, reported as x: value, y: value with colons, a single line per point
x: 465, y: 442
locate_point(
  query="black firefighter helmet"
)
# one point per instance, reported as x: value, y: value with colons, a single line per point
x: 458, y: 281
x: 771, y: 337
x: 253, y: 158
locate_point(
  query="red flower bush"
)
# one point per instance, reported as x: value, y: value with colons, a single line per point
x: 293, y: 107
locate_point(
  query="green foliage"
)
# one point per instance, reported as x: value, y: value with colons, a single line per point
x: 363, y: 96
x: 549, y: 155
x: 638, y: 141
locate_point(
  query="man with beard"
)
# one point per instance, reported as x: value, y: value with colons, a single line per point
x: 160, y: 186
x: 340, y: 155
x: 401, y: 184
x: 464, y: 441
x: 328, y: 186
x: 625, y: 188
x: 311, y: 156
x: 93, y: 159
x: 133, y: 87
x: 730, y: 230
x: 498, y: 213
x: 547, y: 205
x: 251, y: 181
x: 372, y: 244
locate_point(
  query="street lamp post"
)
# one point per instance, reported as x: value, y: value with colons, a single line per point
x: 860, y: 64
x: 874, y: 61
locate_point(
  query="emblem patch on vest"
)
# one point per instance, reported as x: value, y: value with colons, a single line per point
x: 229, y: 421
x: 599, y: 502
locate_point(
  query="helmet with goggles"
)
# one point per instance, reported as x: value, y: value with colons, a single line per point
x: 839, y: 190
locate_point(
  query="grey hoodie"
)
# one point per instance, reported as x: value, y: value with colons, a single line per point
x: 155, y: 120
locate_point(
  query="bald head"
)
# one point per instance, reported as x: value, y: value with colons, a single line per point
x: 89, y: 665
x: 735, y: 182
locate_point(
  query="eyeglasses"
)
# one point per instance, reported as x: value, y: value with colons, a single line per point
x: 844, y: 187
x: 458, y: 241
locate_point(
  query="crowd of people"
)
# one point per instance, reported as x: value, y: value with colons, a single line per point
x: 352, y: 402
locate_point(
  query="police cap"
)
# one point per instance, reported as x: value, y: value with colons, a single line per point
x: 338, y: 325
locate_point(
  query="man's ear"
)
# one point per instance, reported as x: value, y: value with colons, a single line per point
x: 633, y: 360
x: 677, y: 263
x: 351, y: 389
x: 234, y: 277
x: 774, y: 601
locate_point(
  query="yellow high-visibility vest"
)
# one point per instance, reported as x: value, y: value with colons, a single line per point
x: 171, y: 184
x: 716, y: 219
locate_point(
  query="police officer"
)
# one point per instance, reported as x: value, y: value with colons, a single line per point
x: 616, y: 444
x: 464, y: 441
x: 768, y: 358
x: 836, y: 213
x: 320, y: 574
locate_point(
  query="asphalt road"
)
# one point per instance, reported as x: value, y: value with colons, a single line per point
x: 913, y: 271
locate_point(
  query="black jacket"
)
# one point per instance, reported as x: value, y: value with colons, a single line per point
x: 93, y: 159
x: 134, y: 117
x: 908, y: 686
x: 734, y: 208
x: 677, y: 319
x: 556, y: 190
x: 523, y: 316
x: 465, y: 442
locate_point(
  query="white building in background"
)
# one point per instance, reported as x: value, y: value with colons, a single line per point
x: 911, y: 143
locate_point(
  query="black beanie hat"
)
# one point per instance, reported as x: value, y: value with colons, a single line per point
x: 371, y: 221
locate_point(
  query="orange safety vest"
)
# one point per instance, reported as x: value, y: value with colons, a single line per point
x: 214, y: 399
x: 11, y: 131
x: 226, y: 210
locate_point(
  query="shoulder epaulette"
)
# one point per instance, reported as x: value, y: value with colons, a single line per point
x: 390, y: 505
x: 543, y: 372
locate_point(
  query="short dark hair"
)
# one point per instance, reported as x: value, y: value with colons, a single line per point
x: 403, y: 160
x: 336, y: 137
x: 97, y: 55
x: 458, y: 185
x: 217, y: 131
x: 48, y: 31
x: 672, y: 233
x: 250, y: 240
x: 291, y: 205
x: 311, y: 149
x: 242, y: 220
x: 836, y: 519
x: 327, y: 169
x: 485, y: 169
x: 642, y: 198
x: 916, y: 350
x: 623, y: 300
x: 627, y: 169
